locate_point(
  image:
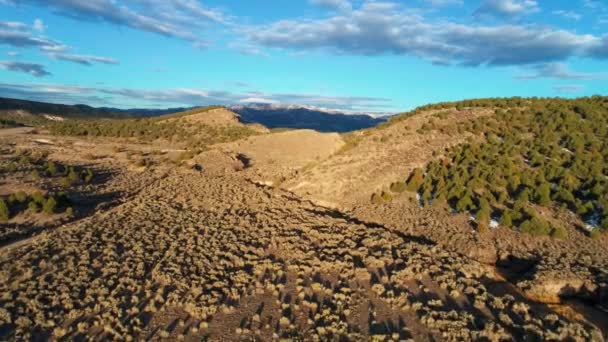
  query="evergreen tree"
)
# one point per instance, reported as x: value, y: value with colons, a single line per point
x: 415, y: 180
x: 464, y: 203
x: 507, y: 219
x: 483, y: 215
x: 543, y: 194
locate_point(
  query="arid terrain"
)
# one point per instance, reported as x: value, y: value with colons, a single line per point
x: 227, y: 231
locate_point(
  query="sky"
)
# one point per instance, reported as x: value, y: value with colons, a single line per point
x: 355, y: 55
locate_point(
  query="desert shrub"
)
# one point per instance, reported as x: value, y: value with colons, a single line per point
x: 376, y: 199
x: 49, y: 206
x: 88, y: 175
x: 398, y: 187
x: 33, y: 206
x: 386, y: 196
x: 415, y: 180
x: 4, y: 211
x: 559, y: 232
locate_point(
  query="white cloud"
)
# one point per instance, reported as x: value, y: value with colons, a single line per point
x: 184, y: 97
x: 33, y: 69
x: 507, y: 8
x: 559, y: 71
x: 387, y: 28
x: 83, y: 59
x: 441, y: 3
x: 184, y: 19
x: 39, y: 25
x: 338, y: 5
x: 568, y: 88
x: 568, y: 15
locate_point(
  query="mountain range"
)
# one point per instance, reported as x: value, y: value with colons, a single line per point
x: 269, y: 115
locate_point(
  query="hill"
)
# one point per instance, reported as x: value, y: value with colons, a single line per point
x: 301, y: 117
x: 194, y: 225
x: 194, y: 129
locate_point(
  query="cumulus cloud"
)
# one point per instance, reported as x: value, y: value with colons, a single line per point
x: 183, y: 97
x: 387, y: 28
x: 506, y: 8
x: 83, y: 59
x: 33, y: 69
x: 559, y: 71
x: 339, y: 5
x: 176, y: 18
x: 441, y: 3
x: 568, y: 15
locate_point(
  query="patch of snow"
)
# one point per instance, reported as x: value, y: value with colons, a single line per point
x: 593, y: 222
x: 494, y: 224
x: 567, y: 150
x: 419, y: 199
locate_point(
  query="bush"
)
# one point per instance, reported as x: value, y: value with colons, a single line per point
x: 377, y: 199
x: 398, y: 187
x: 4, y: 211
x: 386, y: 196
x: 49, y: 206
x: 535, y: 226
x: 33, y: 206
x: 559, y: 232
x: 595, y: 234
x: 415, y: 180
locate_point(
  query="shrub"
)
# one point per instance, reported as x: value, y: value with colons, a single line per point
x: 4, y: 211
x: 49, y: 206
x: 386, y: 196
x: 535, y: 226
x: 595, y: 234
x: 398, y: 187
x: 33, y: 206
x: 51, y: 168
x: 88, y: 176
x: 559, y: 232
x: 377, y: 199
x: 415, y: 180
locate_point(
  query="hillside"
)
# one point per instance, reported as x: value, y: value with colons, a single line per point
x: 196, y: 226
x: 193, y: 129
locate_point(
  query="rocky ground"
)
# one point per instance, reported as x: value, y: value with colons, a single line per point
x: 192, y: 256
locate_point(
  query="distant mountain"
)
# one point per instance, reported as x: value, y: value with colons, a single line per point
x: 81, y: 110
x: 269, y: 115
x: 305, y: 117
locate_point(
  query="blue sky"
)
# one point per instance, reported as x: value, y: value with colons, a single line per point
x: 359, y: 55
